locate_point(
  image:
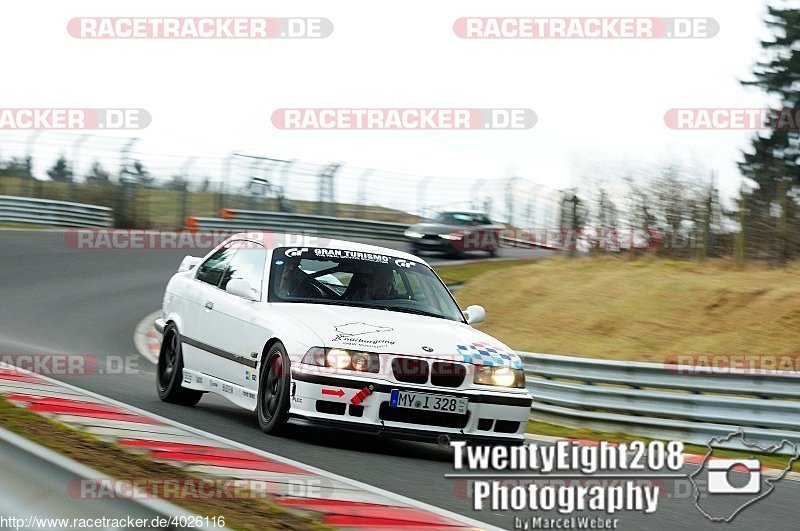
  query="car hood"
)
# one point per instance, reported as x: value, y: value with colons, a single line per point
x: 385, y: 331
x: 436, y: 228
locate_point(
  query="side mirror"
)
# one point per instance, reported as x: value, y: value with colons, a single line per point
x: 188, y: 263
x: 474, y: 314
x: 240, y: 287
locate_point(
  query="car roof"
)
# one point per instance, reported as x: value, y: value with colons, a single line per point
x: 275, y: 239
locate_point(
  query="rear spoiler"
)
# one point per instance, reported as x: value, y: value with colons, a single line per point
x: 188, y: 263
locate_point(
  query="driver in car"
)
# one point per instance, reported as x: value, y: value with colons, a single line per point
x: 379, y: 286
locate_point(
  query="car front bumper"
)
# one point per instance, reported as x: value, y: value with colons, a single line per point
x: 492, y: 416
x: 431, y: 245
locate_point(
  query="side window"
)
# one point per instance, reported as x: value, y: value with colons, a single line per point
x: 399, y: 286
x: 248, y: 264
x: 211, y: 270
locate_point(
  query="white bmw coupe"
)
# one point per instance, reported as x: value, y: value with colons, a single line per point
x: 336, y: 333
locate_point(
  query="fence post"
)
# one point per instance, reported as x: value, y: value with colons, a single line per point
x: 783, y: 225
x: 421, y: 186
x: 703, y: 250
x: 121, y: 206
x: 738, y: 253
x: 363, y: 180
x: 183, y: 212
x: 509, y: 192
x: 220, y: 198
x: 76, y: 151
x: 326, y: 200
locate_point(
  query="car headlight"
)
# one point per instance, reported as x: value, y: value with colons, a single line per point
x: 453, y: 236
x: 413, y: 234
x: 500, y: 376
x: 337, y: 358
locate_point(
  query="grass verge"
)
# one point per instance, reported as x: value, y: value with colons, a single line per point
x: 645, y: 310
x: 110, y: 459
x: 457, y: 274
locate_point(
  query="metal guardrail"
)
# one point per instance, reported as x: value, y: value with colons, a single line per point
x: 53, y: 213
x: 664, y: 401
x: 243, y: 220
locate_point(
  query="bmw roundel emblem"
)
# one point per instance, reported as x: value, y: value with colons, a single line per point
x: 427, y: 348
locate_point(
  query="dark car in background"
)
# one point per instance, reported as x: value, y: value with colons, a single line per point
x: 456, y: 232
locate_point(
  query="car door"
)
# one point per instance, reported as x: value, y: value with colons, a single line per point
x: 194, y: 325
x: 230, y: 316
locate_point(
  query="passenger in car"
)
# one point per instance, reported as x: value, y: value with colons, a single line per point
x: 292, y: 278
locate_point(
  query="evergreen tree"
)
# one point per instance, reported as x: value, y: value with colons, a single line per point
x: 97, y: 175
x: 770, y: 218
x: 60, y: 172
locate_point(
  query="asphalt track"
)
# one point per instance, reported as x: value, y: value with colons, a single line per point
x: 61, y: 300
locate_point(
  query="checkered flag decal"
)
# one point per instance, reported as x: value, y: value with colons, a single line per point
x: 480, y: 353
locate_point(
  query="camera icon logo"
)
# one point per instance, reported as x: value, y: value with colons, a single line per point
x: 720, y: 471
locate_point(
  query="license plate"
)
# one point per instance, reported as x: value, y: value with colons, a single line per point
x: 428, y: 402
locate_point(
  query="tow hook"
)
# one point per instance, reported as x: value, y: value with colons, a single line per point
x: 361, y: 395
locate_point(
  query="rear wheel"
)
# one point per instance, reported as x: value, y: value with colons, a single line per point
x: 169, y: 372
x: 273, y: 391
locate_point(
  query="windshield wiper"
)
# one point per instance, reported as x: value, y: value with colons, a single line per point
x: 403, y: 309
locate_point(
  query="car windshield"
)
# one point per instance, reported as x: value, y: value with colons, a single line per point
x: 461, y: 218
x: 362, y: 279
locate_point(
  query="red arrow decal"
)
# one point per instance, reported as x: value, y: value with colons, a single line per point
x: 336, y: 392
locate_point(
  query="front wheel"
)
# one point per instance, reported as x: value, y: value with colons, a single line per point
x: 169, y: 372
x: 273, y: 391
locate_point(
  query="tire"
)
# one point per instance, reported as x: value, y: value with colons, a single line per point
x: 492, y: 252
x: 273, y: 391
x: 169, y: 371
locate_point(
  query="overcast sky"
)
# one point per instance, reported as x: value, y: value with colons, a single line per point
x: 599, y: 102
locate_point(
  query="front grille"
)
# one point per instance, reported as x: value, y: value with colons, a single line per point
x: 410, y: 370
x: 431, y: 237
x: 418, y: 416
x: 448, y: 374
